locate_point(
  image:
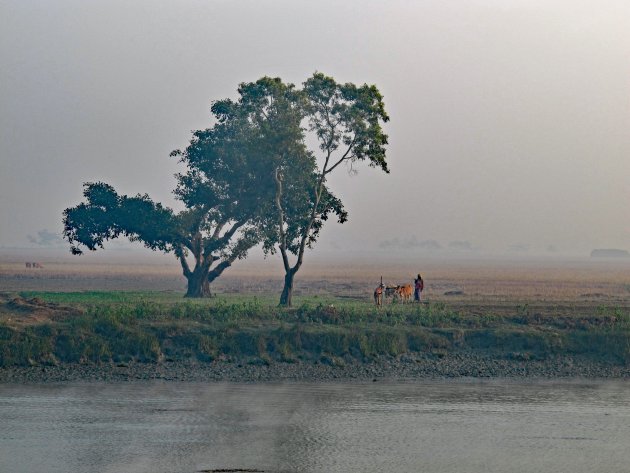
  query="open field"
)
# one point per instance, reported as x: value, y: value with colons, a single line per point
x: 509, y: 313
x: 479, y: 281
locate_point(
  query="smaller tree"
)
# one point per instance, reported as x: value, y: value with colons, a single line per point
x: 346, y: 121
x: 295, y: 202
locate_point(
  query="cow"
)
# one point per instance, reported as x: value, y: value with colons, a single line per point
x: 391, y: 292
x: 404, y: 292
x: 378, y: 295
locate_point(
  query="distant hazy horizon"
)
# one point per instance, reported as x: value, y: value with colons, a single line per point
x: 136, y: 254
x: 509, y: 132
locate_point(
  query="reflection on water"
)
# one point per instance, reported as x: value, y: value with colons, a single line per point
x: 454, y: 426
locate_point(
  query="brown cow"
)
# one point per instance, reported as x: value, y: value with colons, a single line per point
x: 378, y: 295
x: 405, y: 292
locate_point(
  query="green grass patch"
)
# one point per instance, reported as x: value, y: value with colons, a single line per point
x: 105, y: 326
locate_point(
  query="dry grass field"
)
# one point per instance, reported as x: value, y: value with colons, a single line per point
x: 474, y: 285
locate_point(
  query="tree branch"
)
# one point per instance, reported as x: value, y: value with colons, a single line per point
x: 305, y: 235
x: 344, y: 157
x: 283, y: 236
x: 217, y: 243
x: 181, y: 256
x: 218, y: 269
x: 217, y: 230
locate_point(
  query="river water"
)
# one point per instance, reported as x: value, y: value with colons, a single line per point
x: 434, y: 426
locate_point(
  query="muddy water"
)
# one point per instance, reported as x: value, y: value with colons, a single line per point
x: 450, y: 426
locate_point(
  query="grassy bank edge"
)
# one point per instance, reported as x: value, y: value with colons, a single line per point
x: 101, y: 327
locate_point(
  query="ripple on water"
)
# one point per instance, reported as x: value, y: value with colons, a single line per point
x: 458, y: 426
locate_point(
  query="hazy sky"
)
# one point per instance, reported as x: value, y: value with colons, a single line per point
x: 510, y: 120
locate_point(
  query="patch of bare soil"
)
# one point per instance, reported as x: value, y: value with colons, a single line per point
x: 18, y: 310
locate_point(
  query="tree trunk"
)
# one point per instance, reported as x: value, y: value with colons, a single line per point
x: 287, y: 291
x: 198, y: 284
x: 217, y: 270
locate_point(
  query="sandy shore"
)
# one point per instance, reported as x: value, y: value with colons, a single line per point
x: 407, y: 367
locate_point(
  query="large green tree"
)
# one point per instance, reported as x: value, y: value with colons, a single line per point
x: 223, y: 189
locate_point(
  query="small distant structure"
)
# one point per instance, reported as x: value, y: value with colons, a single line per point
x: 34, y: 264
x: 609, y: 253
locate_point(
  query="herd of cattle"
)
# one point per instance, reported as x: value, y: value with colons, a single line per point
x: 403, y: 293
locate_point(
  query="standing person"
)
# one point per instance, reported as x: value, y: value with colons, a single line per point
x: 419, y: 287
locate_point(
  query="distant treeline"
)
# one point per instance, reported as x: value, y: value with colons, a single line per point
x: 609, y: 253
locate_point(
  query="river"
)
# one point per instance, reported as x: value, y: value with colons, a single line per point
x: 429, y: 426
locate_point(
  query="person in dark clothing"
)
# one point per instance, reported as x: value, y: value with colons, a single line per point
x: 419, y: 287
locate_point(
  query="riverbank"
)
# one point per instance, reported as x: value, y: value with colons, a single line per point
x: 143, y: 335
x: 402, y: 368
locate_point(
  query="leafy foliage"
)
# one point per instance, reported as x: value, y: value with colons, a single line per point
x: 106, y: 215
